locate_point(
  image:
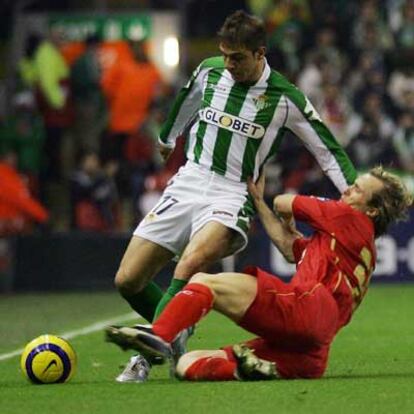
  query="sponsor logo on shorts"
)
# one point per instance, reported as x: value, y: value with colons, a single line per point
x: 232, y: 123
x: 222, y: 213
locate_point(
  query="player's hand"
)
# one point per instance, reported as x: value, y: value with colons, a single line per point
x: 165, y: 152
x: 256, y: 189
x: 290, y: 225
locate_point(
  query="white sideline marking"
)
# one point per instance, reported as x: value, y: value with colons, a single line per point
x: 97, y: 326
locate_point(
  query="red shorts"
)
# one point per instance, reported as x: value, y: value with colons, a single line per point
x: 296, y: 325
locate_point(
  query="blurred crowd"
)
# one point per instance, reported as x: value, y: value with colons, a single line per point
x: 86, y: 116
x: 354, y: 60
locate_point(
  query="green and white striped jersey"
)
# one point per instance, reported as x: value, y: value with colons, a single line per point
x: 236, y: 128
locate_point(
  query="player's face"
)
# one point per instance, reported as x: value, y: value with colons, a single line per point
x: 360, y: 193
x: 244, y: 65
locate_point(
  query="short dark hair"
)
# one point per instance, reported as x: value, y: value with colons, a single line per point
x: 392, y: 201
x: 242, y: 29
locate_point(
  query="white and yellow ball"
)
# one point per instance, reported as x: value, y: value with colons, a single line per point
x: 48, y: 359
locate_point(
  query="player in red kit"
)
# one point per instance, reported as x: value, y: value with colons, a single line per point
x: 295, y: 322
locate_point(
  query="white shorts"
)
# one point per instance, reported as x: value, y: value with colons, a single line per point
x: 194, y: 197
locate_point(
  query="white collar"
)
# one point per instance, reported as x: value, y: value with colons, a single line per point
x: 265, y: 75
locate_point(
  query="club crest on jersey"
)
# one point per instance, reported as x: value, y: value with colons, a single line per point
x: 261, y: 102
x: 232, y: 123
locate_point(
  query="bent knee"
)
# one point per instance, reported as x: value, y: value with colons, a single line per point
x: 212, y: 280
x: 201, y: 277
x: 128, y: 283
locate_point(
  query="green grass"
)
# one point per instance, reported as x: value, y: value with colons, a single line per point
x: 371, y: 365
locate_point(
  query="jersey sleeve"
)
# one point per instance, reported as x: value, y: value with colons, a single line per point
x: 184, y: 109
x: 319, y: 213
x: 304, y: 121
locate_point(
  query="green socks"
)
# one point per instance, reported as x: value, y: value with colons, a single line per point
x: 175, y: 286
x: 150, y: 302
x: 146, y: 301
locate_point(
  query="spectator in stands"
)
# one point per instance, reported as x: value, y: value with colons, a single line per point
x: 368, y: 148
x: 18, y: 210
x: 335, y: 110
x: 401, y: 86
x: 287, y: 23
x: 313, y: 75
x: 405, y: 33
x: 369, y: 31
x: 23, y: 133
x: 374, y: 84
x: 260, y: 8
x: 89, y: 103
x: 130, y: 87
x: 403, y: 140
x: 326, y: 46
x: 374, y: 110
x: 288, y: 10
x: 367, y: 63
x: 45, y: 69
x: 323, y: 66
x: 94, y: 196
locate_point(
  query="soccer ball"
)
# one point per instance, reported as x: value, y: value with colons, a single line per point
x: 48, y: 359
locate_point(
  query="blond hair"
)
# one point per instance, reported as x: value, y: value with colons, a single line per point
x: 392, y: 201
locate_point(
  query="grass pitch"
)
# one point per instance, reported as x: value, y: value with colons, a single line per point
x: 371, y: 366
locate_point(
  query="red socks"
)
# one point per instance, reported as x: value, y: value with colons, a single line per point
x: 211, y: 369
x: 185, y: 310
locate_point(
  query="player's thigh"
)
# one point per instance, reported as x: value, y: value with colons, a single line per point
x: 209, y: 244
x: 233, y: 292
x: 219, y: 237
x: 141, y: 261
x: 213, y: 240
x: 190, y: 358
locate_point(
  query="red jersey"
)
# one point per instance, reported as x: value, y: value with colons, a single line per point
x: 340, y: 254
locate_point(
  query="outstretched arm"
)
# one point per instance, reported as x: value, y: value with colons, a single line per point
x: 280, y: 228
x: 305, y: 122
